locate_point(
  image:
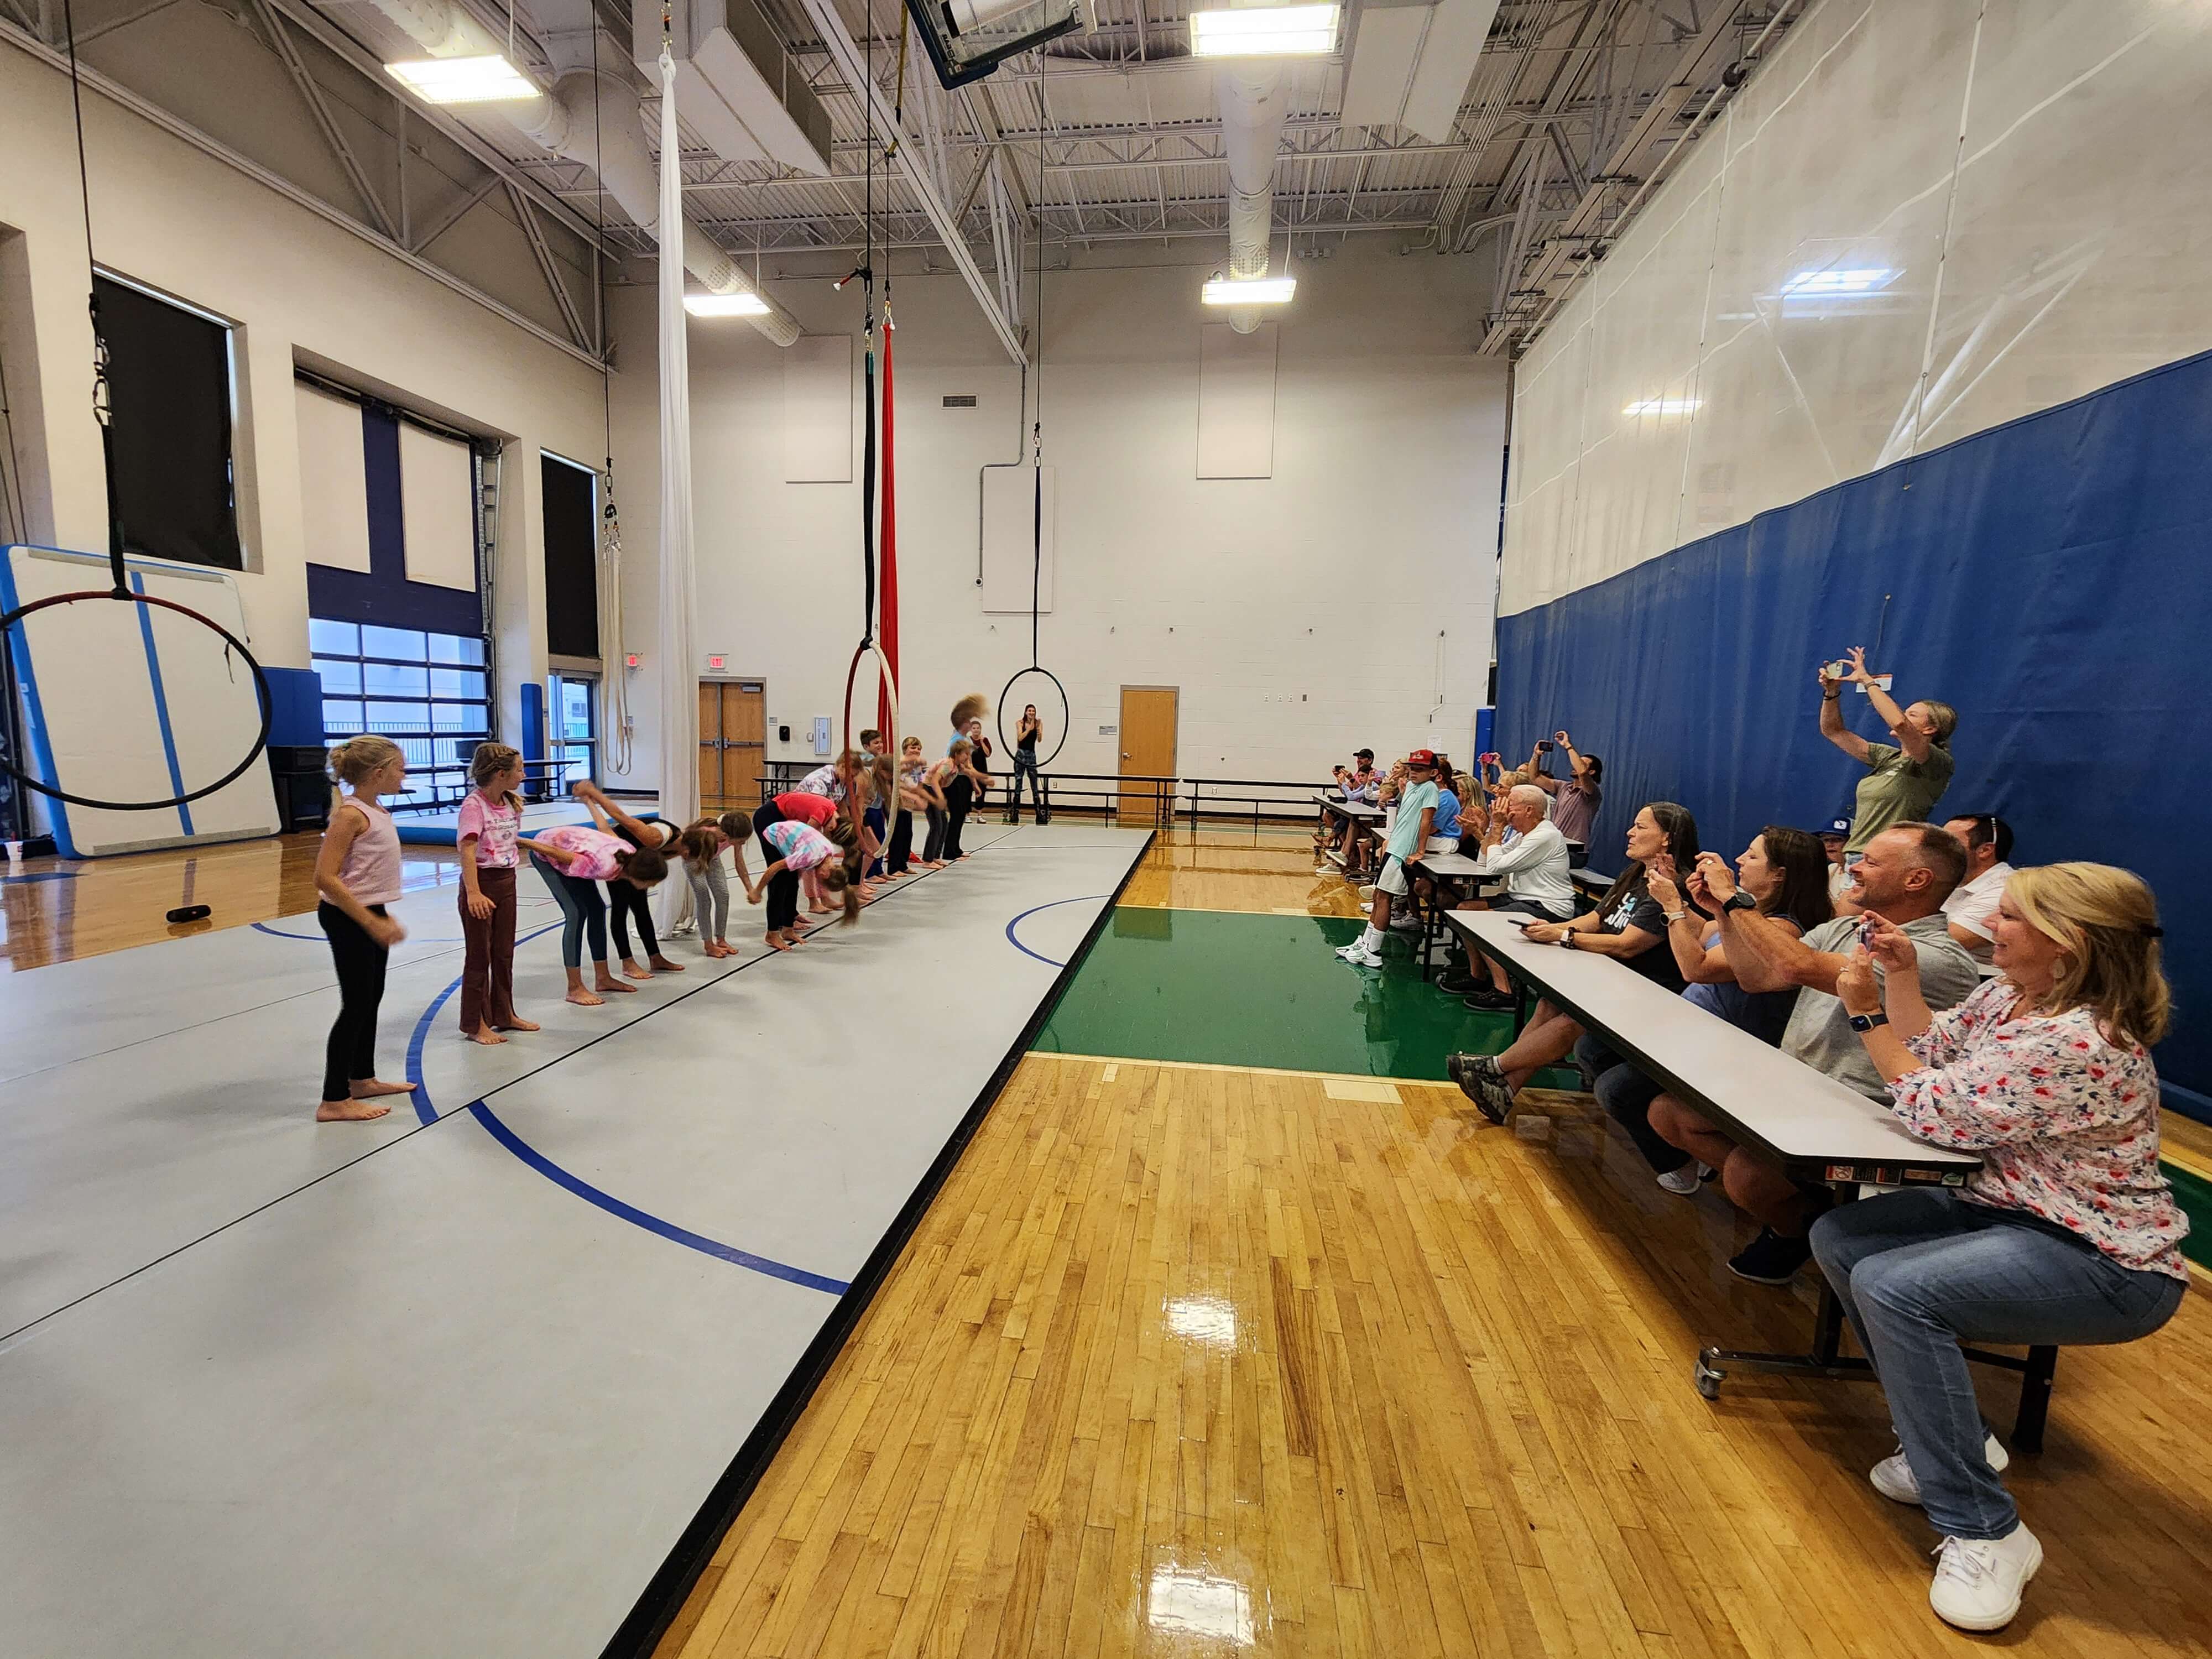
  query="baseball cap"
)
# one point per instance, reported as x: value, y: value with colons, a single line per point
x: 1422, y: 758
x: 1363, y: 754
x: 1835, y: 827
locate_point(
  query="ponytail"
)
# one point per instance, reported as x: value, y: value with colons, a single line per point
x: 356, y: 761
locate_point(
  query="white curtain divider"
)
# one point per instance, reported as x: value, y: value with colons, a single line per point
x: 679, y: 704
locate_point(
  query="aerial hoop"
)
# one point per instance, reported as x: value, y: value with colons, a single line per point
x: 1035, y: 668
x: 869, y: 648
x: 260, y: 690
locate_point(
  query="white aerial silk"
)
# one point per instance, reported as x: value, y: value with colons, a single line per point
x: 679, y: 703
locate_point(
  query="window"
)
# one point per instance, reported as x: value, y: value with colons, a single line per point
x: 426, y: 692
x: 575, y: 737
x: 171, y: 381
x: 572, y: 559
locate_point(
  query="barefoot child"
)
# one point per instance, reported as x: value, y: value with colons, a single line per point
x: 358, y: 874
x: 574, y: 858
x: 917, y: 793
x: 627, y: 899
x: 802, y: 849
x: 700, y: 847
x: 487, y: 838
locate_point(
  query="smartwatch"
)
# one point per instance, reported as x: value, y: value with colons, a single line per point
x: 1865, y: 1023
x: 1739, y: 900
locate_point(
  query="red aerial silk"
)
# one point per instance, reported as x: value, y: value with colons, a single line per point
x: 887, y: 582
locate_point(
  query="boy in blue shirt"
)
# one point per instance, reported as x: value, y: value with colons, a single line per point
x: 1409, y: 834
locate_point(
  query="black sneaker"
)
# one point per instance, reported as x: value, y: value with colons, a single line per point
x: 1770, y: 1259
x: 1481, y: 1082
x: 1490, y: 1000
x: 1460, y: 985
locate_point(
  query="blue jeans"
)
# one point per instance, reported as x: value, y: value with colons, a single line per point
x: 1626, y: 1094
x: 1922, y: 1271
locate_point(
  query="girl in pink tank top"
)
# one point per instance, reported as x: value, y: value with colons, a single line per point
x: 357, y: 873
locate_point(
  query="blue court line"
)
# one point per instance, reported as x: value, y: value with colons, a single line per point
x: 653, y: 1223
x: 161, y: 700
x: 427, y: 1112
x: 1090, y: 899
x: 44, y: 875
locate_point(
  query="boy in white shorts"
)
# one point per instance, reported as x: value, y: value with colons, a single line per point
x: 1409, y: 834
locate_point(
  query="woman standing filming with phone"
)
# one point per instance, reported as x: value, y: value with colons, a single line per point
x: 1026, y: 732
x: 1575, y: 797
x: 2068, y: 1234
x: 1904, y: 780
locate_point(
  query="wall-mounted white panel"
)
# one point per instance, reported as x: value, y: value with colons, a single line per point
x: 438, y: 508
x: 333, y: 487
x: 1236, y: 402
x: 818, y: 410
x: 1016, y: 557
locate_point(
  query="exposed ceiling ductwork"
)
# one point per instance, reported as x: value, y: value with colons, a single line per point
x: 612, y: 145
x: 1252, y: 110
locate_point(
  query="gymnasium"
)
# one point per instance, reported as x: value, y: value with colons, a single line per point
x: 1111, y: 827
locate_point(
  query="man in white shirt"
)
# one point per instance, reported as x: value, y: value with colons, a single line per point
x: 1526, y: 849
x: 1973, y: 903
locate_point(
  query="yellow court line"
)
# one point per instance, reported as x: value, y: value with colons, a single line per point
x: 2189, y: 1161
x: 1254, y: 1071
x: 1228, y: 910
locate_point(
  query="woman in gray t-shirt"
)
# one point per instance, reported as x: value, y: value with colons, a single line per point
x: 1904, y: 780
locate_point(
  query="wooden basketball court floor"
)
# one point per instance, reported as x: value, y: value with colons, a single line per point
x: 1190, y: 1358
x: 458, y: 1380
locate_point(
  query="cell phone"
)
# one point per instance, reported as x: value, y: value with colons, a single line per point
x: 1487, y: 758
x: 1545, y: 747
x: 1866, y: 931
x: 1837, y: 670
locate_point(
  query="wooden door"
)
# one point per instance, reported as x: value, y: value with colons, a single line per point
x: 733, y: 743
x: 1148, y: 749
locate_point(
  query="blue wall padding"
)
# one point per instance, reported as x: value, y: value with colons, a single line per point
x: 533, y: 721
x: 2048, y: 577
x: 295, y: 702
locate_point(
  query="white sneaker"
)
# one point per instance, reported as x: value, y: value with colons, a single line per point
x: 1682, y: 1182
x: 1360, y: 957
x: 1978, y: 1581
x: 1892, y: 1476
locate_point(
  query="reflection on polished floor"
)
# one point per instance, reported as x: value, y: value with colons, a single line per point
x: 1209, y: 1359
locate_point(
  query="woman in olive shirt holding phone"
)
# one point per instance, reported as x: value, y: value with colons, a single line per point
x: 1904, y: 780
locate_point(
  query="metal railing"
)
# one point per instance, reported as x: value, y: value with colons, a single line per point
x: 1119, y: 797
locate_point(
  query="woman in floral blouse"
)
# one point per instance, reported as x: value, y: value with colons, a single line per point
x: 2067, y: 1235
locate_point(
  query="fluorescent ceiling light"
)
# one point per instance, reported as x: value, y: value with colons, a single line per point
x: 1264, y: 31
x: 486, y: 80
x: 1663, y: 406
x: 1811, y: 282
x: 1250, y: 291
x: 725, y: 304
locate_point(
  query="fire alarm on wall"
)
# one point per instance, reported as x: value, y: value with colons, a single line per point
x: 717, y: 663
x: 633, y: 659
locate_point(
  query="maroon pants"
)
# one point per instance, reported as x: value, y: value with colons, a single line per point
x: 488, y: 974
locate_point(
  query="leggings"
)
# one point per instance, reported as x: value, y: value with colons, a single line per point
x: 710, y: 896
x: 1024, y: 768
x: 874, y: 818
x: 349, y: 1056
x: 630, y: 900
x: 959, y: 796
x: 488, y: 966
x: 902, y: 847
x: 783, y: 885
x: 581, y: 908
x: 932, y: 843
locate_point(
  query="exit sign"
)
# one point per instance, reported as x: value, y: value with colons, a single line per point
x: 717, y: 665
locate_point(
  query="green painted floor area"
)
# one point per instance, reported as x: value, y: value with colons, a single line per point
x: 1233, y: 989
x: 2194, y: 1194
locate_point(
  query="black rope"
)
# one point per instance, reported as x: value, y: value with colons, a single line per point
x: 599, y: 265
x: 1036, y: 430
x: 102, y: 404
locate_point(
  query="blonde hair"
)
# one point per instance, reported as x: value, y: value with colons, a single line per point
x: 1942, y: 717
x: 2105, y: 922
x: 960, y: 746
x: 356, y: 761
x: 973, y: 707
x: 490, y: 760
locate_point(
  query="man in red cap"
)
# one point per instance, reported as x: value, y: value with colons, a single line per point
x: 1409, y: 834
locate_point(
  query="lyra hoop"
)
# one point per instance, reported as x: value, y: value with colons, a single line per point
x: 13, y: 618
x: 866, y: 648
x: 1057, y: 686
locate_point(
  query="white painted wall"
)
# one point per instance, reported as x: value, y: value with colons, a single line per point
x: 1299, y: 614
x: 2029, y: 176
x: 177, y: 220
